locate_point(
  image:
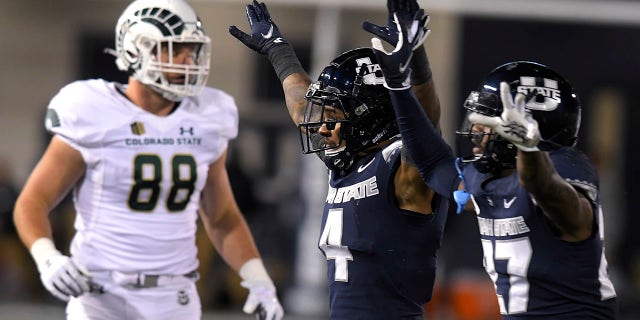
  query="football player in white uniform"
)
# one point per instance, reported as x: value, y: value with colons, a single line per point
x: 142, y: 160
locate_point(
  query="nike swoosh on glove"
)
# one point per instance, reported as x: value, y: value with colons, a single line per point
x: 265, y: 34
x: 395, y: 64
x: 262, y: 300
x: 409, y: 14
x: 514, y: 124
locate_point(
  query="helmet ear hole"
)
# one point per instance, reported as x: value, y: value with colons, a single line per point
x: 131, y: 57
x: 146, y: 44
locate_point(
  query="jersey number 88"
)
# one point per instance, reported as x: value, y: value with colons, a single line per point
x: 147, y: 177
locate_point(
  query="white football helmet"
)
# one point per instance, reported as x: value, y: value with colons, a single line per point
x: 145, y: 28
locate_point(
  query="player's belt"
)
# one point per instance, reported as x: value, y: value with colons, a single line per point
x: 142, y: 280
x: 153, y: 280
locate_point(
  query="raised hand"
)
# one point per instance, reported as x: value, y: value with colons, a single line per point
x: 395, y: 64
x: 262, y: 301
x: 265, y: 34
x: 409, y: 14
x: 515, y: 123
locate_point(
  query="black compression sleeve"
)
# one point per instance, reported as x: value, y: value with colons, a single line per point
x: 284, y: 61
x: 420, y: 68
x: 430, y: 153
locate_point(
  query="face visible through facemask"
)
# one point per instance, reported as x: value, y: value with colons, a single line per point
x: 330, y: 130
x: 179, y: 54
x: 480, y: 136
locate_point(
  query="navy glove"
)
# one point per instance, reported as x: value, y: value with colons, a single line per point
x: 409, y: 14
x: 265, y: 35
x: 395, y: 64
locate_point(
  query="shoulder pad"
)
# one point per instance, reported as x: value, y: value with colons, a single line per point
x: 81, y: 109
x: 574, y: 166
x: 391, y: 152
x: 217, y: 106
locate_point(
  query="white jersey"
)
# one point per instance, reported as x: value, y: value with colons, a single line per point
x: 137, y: 203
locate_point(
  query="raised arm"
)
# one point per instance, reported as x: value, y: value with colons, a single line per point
x: 427, y: 151
x: 266, y: 39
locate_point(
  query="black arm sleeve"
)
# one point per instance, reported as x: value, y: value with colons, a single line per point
x: 429, y: 152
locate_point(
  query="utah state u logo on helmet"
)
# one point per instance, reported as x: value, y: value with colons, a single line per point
x: 547, y: 93
x: 372, y: 74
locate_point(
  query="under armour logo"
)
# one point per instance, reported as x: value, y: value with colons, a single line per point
x: 183, y: 130
x: 490, y: 202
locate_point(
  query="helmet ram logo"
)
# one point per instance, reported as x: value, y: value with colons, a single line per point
x: 167, y: 22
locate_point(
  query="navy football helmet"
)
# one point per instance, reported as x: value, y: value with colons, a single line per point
x: 352, y: 83
x: 550, y: 98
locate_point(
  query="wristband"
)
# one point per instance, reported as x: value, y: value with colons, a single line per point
x: 420, y: 68
x: 284, y: 61
x: 254, y: 271
x: 42, y: 249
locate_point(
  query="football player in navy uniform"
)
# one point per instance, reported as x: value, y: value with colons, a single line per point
x: 142, y: 160
x: 535, y: 195
x: 381, y: 225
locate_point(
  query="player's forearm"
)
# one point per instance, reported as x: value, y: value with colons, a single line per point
x: 31, y: 220
x: 237, y: 247
x: 294, y: 79
x: 423, y: 85
x: 232, y: 239
x: 426, y: 95
x: 535, y: 171
x: 539, y: 177
x: 426, y: 148
x: 295, y: 88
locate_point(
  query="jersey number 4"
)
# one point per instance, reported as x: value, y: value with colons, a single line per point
x: 147, y: 177
x: 331, y: 244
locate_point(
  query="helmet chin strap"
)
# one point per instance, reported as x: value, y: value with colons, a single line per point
x: 339, y: 162
x: 165, y: 94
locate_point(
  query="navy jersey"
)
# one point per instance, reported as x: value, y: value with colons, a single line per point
x: 536, y: 274
x: 381, y: 259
